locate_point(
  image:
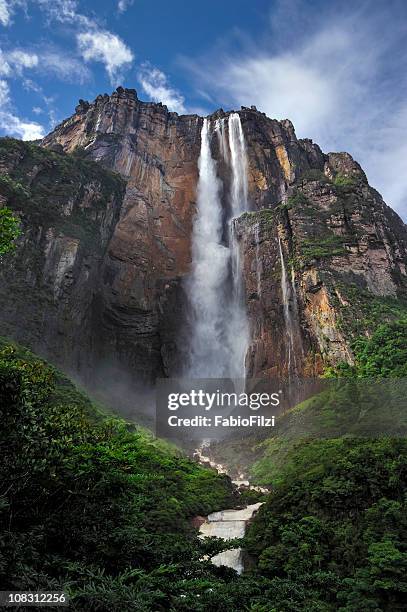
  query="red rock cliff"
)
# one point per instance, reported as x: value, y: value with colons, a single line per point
x: 336, y: 234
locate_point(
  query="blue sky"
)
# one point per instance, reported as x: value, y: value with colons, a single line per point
x: 339, y: 72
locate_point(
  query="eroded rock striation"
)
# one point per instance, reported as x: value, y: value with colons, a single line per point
x: 106, y: 245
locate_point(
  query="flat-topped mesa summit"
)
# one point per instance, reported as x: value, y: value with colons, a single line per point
x: 316, y: 233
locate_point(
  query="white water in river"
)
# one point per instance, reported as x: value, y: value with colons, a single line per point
x: 219, y: 327
x: 227, y: 524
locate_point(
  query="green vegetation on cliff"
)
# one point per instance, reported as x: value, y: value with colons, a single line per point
x: 9, y: 230
x: 43, y: 186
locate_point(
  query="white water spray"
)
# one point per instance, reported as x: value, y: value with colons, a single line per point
x: 210, y: 270
x: 220, y: 130
x: 220, y: 333
x: 238, y: 161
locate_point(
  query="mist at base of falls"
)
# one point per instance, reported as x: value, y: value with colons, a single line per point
x: 219, y: 335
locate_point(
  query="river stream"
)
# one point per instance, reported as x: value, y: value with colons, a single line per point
x: 230, y: 523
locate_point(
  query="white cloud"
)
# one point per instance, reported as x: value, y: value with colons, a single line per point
x: 14, y: 62
x: 4, y: 93
x: 65, y: 11
x: 155, y: 85
x: 4, y: 13
x: 63, y: 66
x: 332, y: 81
x: 13, y: 125
x: 20, y: 59
x: 123, y: 5
x: 105, y: 47
x: 49, y: 61
x: 94, y: 43
x: 4, y: 65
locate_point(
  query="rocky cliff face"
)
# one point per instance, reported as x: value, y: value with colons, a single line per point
x: 313, y: 212
x: 337, y: 238
x: 50, y: 289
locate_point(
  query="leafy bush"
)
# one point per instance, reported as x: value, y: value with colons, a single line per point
x: 9, y: 230
x: 319, y: 248
x: 343, y: 181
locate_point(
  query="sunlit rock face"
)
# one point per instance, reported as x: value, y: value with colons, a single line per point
x: 314, y: 229
x: 330, y: 241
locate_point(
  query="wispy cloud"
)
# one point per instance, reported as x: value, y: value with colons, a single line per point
x: 95, y: 43
x: 46, y: 60
x: 63, y: 65
x: 155, y: 84
x: 339, y: 76
x: 5, y: 13
x: 123, y: 5
x: 20, y: 60
x: 13, y: 63
x: 105, y: 47
x: 13, y: 125
x: 65, y: 11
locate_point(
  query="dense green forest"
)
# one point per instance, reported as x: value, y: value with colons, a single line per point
x: 97, y: 507
x: 89, y: 503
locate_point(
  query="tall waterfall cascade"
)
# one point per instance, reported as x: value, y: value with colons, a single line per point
x: 291, y: 321
x: 219, y: 327
x: 238, y: 162
x: 259, y: 267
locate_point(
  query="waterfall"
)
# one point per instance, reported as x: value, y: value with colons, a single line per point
x: 220, y: 130
x: 219, y: 327
x: 210, y: 262
x: 288, y: 320
x: 238, y: 328
x: 238, y: 161
x: 258, y: 262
